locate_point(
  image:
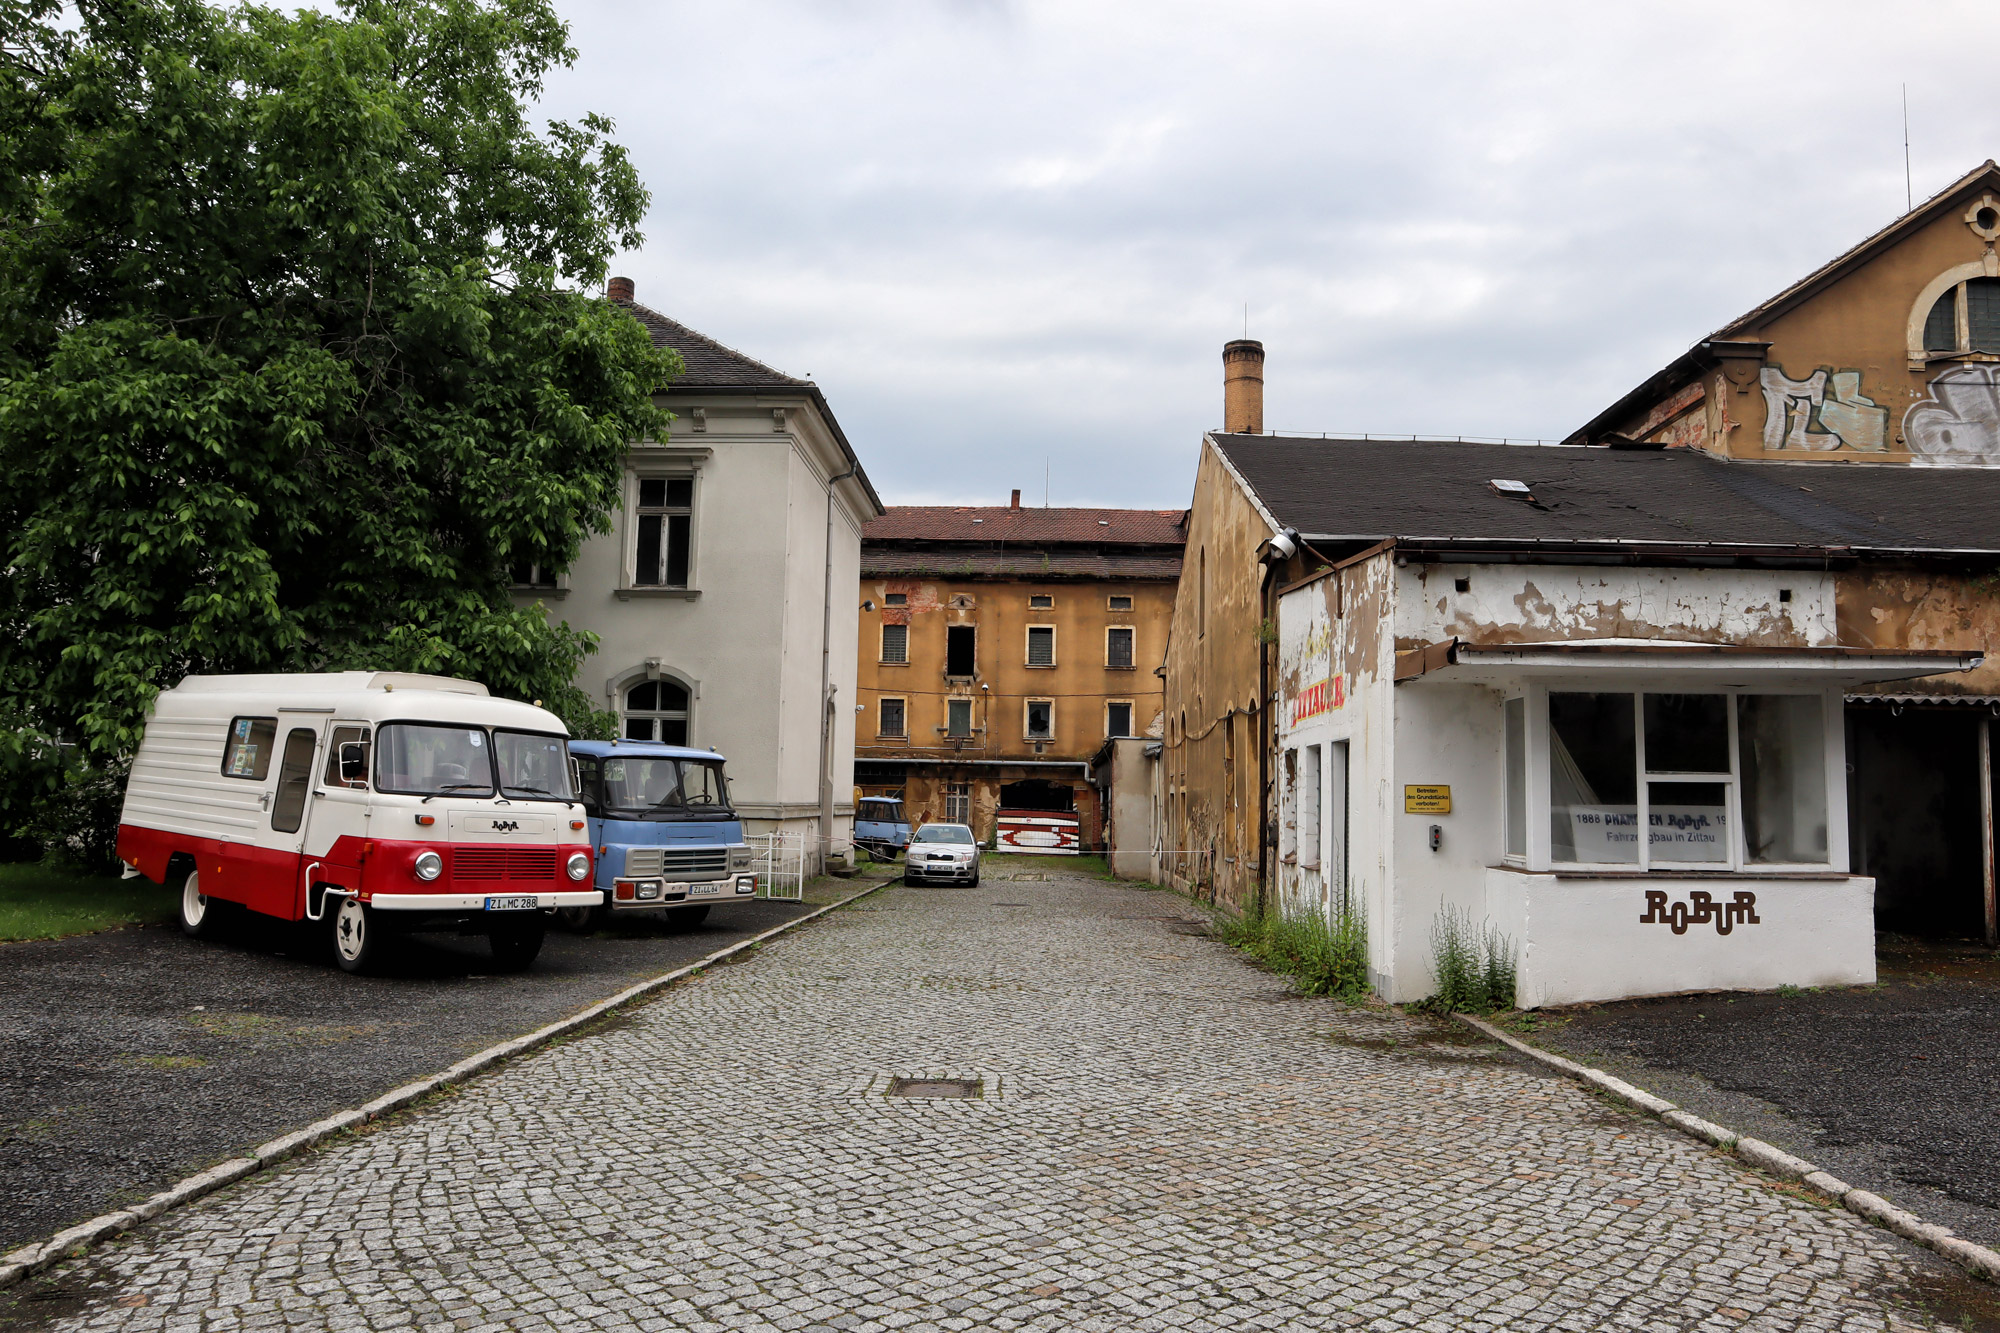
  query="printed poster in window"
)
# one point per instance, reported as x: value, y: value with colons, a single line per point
x: 242, y: 750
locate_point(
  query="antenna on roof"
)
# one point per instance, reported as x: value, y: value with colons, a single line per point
x: 1909, y: 196
x: 1246, y: 319
x: 1045, y: 481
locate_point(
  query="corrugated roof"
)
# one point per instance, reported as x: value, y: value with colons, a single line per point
x: 961, y: 562
x: 1001, y: 523
x: 1439, y: 490
x: 709, y: 363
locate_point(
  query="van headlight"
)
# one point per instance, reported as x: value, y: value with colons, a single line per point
x: 739, y: 858
x: 428, y: 865
x: 579, y: 866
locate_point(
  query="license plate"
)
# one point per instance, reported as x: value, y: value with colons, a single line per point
x: 512, y: 904
x: 704, y: 888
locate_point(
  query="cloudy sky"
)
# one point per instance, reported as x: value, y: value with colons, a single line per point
x: 1010, y: 237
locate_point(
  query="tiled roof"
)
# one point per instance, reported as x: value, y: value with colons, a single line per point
x: 709, y: 363
x: 1001, y: 523
x: 1371, y: 490
x: 954, y: 562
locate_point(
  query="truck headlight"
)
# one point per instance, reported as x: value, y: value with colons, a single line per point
x: 428, y: 865
x: 739, y: 858
x: 579, y: 866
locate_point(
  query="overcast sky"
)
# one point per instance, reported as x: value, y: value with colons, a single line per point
x: 1002, y: 236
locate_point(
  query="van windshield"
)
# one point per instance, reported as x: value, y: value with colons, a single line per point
x: 533, y: 765
x: 664, y: 788
x: 430, y: 759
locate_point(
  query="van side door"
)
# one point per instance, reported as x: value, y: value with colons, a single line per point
x: 288, y: 813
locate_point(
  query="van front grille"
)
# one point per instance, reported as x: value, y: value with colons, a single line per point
x: 487, y: 864
x: 677, y: 863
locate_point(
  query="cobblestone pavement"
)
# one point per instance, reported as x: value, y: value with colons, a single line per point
x: 1166, y: 1141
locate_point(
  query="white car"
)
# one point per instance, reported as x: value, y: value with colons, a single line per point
x: 946, y: 852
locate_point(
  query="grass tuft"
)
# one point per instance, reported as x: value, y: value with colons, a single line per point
x: 1322, y: 955
x: 1474, y: 966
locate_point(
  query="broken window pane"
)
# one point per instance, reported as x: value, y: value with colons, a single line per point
x: 1041, y: 715
x: 1593, y: 779
x: 895, y: 643
x: 1042, y: 646
x: 891, y: 717
x: 1781, y: 753
x: 1118, y: 648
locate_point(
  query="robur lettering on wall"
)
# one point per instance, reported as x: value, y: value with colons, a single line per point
x: 1320, y: 697
x: 1700, y: 909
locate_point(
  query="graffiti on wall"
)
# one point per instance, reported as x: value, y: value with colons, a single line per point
x: 1958, y: 421
x: 1825, y: 410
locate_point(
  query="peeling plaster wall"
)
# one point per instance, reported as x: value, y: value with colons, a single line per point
x: 1512, y: 604
x: 1922, y: 609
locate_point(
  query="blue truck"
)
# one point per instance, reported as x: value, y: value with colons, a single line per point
x: 879, y: 827
x: 666, y: 837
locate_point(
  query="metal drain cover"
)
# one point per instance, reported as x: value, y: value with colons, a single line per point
x: 963, y: 1088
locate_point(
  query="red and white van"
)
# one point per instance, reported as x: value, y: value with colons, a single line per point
x: 375, y: 801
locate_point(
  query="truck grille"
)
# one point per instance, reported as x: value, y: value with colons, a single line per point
x: 681, y: 863
x: 491, y: 863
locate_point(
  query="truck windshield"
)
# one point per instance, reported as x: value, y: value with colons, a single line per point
x: 429, y: 759
x: 664, y: 788
x: 533, y: 765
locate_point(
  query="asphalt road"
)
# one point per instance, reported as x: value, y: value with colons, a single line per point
x: 137, y: 1057
x: 1890, y: 1087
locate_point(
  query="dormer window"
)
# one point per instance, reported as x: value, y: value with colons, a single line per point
x: 1966, y: 318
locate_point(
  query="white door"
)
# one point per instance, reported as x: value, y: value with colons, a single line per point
x: 1333, y: 822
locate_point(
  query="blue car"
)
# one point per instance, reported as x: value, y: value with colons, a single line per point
x: 666, y: 835
x: 879, y: 827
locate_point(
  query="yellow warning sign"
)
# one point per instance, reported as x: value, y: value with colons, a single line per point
x: 1426, y: 800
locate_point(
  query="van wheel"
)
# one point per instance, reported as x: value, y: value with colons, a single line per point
x: 687, y: 918
x: 199, y: 913
x: 357, y: 943
x: 581, y: 920
x: 515, y: 947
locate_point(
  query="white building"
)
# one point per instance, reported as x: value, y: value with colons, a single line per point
x: 1589, y: 698
x: 723, y: 597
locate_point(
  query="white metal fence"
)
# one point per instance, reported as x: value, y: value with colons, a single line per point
x: 780, y: 862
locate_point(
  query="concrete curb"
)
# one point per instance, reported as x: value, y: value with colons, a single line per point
x: 1975, y: 1259
x: 34, y: 1257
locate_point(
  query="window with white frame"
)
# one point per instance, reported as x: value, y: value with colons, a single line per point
x: 1118, y: 647
x: 895, y: 644
x: 657, y: 710
x: 1041, y: 645
x: 663, y: 545
x: 958, y: 803
x: 1118, y: 718
x: 1041, y: 719
x: 889, y: 720
x: 1666, y: 780
x: 958, y: 717
x: 1117, y: 603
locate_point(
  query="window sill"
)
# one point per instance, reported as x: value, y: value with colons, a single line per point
x: 649, y: 594
x: 1039, y: 666
x: 883, y: 736
x: 893, y: 664
x: 1719, y: 872
x: 1115, y: 666
x: 529, y: 590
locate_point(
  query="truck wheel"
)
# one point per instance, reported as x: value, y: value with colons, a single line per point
x: 199, y: 913
x: 515, y: 947
x: 357, y: 942
x: 687, y: 918
x: 581, y: 920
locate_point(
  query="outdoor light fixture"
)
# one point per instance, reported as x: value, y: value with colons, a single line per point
x: 579, y: 866
x: 428, y: 866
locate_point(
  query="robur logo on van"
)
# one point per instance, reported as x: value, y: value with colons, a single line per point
x: 506, y: 826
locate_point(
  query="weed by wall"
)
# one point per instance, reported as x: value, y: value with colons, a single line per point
x: 1323, y: 955
x: 1474, y: 966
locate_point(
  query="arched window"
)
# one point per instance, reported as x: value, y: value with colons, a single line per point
x: 657, y: 710
x: 1965, y: 318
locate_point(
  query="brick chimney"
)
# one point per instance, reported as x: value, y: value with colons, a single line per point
x: 1243, y: 387
x: 620, y: 289
x: 1017, y: 501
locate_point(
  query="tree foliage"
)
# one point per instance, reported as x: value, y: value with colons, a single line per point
x: 298, y: 352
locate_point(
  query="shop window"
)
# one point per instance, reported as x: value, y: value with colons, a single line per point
x: 1041, y: 645
x: 1516, y: 717
x: 1118, y: 719
x: 665, y: 532
x: 958, y: 717
x: 895, y: 644
x: 958, y: 803
x: 657, y: 710
x: 1781, y: 763
x: 1118, y: 647
x: 889, y: 719
x: 1041, y: 720
x: 1593, y: 779
x: 961, y: 650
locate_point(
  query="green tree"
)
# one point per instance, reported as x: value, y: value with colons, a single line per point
x: 299, y: 351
